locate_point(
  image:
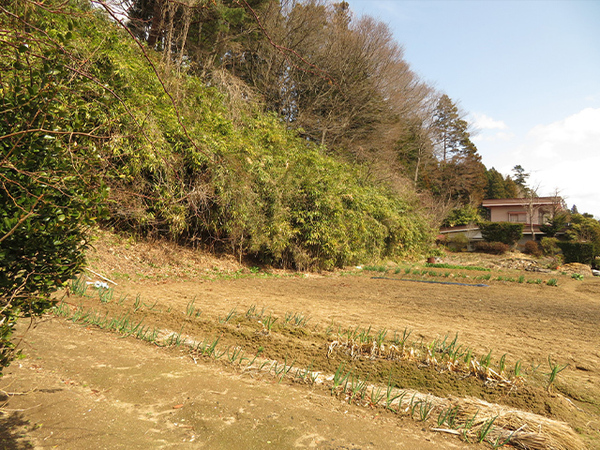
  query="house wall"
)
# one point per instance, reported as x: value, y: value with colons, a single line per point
x: 501, y: 214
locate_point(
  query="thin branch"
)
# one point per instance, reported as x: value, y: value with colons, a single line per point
x: 109, y: 10
x: 284, y: 50
x: 22, y: 219
x: 43, y: 130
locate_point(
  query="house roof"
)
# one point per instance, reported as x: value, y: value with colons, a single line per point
x: 537, y: 201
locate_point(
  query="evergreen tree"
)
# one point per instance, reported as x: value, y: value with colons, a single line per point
x: 499, y: 186
x: 520, y: 179
x: 496, y: 187
x: 462, y: 175
x: 450, y: 131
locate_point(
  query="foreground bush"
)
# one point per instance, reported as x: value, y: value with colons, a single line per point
x: 458, y: 242
x: 506, y: 232
x: 50, y: 134
x: 532, y: 248
x: 550, y: 246
x: 494, y: 248
x: 579, y: 252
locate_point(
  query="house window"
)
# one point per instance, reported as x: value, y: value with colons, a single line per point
x: 545, y: 217
x: 518, y: 217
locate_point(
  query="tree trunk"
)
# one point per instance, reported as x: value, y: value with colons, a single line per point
x: 156, y: 26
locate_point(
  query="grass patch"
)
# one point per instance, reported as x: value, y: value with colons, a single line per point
x: 452, y: 266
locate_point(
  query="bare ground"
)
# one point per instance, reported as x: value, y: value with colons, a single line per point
x: 79, y: 386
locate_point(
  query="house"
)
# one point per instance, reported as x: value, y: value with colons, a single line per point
x: 531, y: 212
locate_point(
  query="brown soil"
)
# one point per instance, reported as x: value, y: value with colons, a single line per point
x: 80, y: 387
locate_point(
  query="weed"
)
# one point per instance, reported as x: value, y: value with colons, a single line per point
x: 137, y: 304
x: 340, y: 377
x: 451, y: 266
x: 555, y: 369
x: 190, y: 310
x: 425, y: 408
x: 552, y: 282
x: 376, y: 395
x: 485, y: 429
x: 228, y: 317
x: 517, y: 369
x: 269, y: 322
x: 502, y: 364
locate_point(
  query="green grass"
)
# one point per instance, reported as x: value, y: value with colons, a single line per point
x: 452, y: 266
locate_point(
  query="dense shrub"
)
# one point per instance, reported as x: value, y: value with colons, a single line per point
x: 557, y: 224
x: 506, y: 232
x: 457, y: 242
x: 463, y: 216
x: 201, y: 165
x: 549, y: 246
x: 495, y: 248
x: 50, y: 192
x: 532, y: 248
x: 244, y: 182
x: 579, y: 252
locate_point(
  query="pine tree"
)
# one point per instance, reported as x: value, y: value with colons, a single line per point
x: 450, y: 131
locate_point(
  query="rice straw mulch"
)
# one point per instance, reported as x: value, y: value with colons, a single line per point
x: 473, y: 419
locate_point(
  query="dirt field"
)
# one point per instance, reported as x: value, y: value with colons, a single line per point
x: 252, y: 355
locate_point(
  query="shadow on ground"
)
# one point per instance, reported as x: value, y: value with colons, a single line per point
x: 12, y: 432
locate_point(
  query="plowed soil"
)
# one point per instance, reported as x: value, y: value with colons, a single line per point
x: 80, y: 386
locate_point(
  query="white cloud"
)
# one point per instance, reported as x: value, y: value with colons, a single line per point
x: 498, y: 136
x: 484, y: 122
x: 575, y: 138
x: 565, y: 155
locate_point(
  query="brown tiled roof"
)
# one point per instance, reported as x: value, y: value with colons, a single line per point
x: 520, y: 201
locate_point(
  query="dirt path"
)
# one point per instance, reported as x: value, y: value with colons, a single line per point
x: 83, y: 388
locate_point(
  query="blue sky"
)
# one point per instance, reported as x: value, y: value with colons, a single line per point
x: 526, y: 73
